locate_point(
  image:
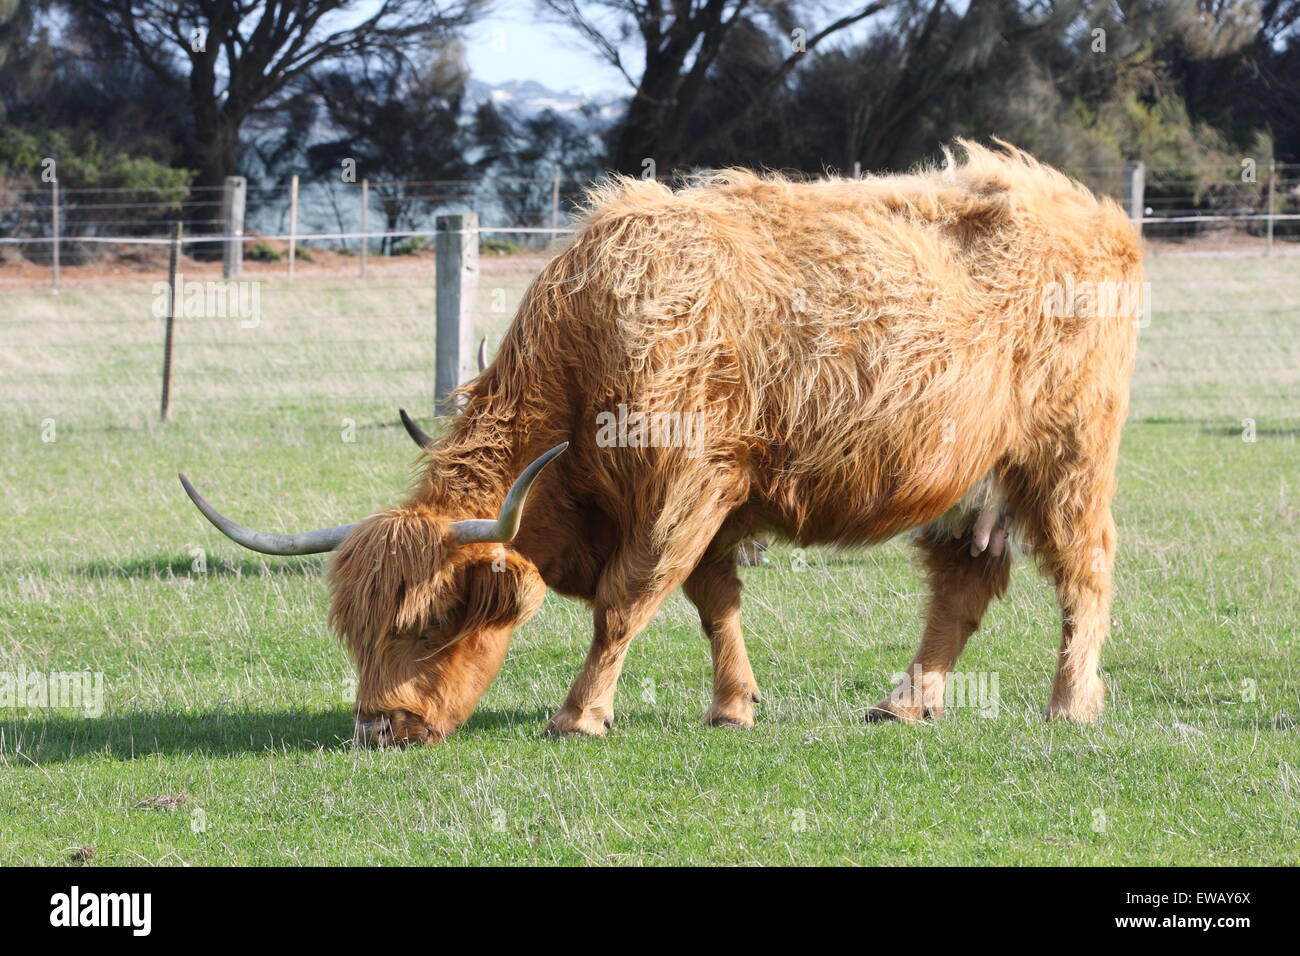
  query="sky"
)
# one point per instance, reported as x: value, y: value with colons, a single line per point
x: 513, y: 44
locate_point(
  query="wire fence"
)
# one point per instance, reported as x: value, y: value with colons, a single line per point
x: 80, y: 225
x: 66, y: 224
x: 1221, y: 347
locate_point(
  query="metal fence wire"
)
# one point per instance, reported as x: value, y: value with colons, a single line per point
x: 64, y: 224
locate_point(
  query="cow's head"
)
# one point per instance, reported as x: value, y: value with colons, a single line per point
x: 426, y: 602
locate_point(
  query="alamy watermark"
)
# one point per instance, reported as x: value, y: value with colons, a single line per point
x: 25, y: 689
x: 1098, y: 300
x: 133, y: 911
x: 974, y: 689
x: 637, y: 429
x: 239, y: 299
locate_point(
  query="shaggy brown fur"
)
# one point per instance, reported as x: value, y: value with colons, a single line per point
x: 862, y: 354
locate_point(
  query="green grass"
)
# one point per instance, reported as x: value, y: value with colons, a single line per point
x: 225, y: 686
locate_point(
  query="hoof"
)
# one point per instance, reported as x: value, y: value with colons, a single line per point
x: 574, y: 724
x: 889, y: 709
x: 733, y: 723
x: 1082, y: 708
x: 736, y: 711
x: 1079, y: 713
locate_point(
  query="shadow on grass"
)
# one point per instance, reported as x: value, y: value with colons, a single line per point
x: 1221, y: 431
x: 168, y: 566
x: 532, y: 721
x: 58, y: 738
x: 1165, y: 420
x: 1235, y: 431
x: 426, y: 420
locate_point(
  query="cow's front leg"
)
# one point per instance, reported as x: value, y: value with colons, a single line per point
x: 714, y: 588
x: 647, y: 567
x: 589, y: 708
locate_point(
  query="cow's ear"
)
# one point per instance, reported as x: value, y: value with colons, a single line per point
x: 500, y: 588
x: 385, y: 577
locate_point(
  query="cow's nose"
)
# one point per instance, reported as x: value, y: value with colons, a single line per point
x: 372, y: 733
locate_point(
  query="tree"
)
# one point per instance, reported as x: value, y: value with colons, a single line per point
x: 1085, y: 86
x: 524, y: 152
x: 399, y: 119
x: 24, y: 55
x: 226, y: 59
x: 681, y: 42
x: 156, y: 191
x: 106, y: 125
x: 892, y: 98
x: 1239, y: 70
x: 772, y: 132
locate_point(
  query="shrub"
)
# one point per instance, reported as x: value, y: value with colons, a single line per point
x: 498, y: 247
x: 410, y: 246
x: 262, y: 252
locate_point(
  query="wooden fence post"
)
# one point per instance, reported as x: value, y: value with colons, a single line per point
x: 173, y: 261
x: 233, y: 196
x: 1272, y: 185
x: 365, y: 222
x: 456, y: 246
x: 1135, y: 184
x: 54, y: 232
x: 555, y: 198
x: 293, y: 222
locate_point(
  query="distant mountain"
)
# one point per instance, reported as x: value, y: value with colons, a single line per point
x: 528, y: 98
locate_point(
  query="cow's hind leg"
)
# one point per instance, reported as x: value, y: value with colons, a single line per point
x: 1083, y: 589
x: 961, y: 587
x: 714, y: 588
x: 1064, y: 505
x: 1074, y: 544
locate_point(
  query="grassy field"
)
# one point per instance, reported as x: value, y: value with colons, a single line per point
x: 225, y: 694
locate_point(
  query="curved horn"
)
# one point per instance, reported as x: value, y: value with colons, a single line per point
x: 418, y: 434
x: 482, y: 354
x: 503, y: 527
x: 307, y: 542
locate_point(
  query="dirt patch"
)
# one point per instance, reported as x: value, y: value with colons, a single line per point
x: 82, y: 855
x: 165, y: 801
x: 1226, y: 243
x: 131, y: 264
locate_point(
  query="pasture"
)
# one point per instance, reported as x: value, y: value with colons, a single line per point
x: 225, y: 695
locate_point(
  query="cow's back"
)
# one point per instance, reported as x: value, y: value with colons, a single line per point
x: 864, y: 350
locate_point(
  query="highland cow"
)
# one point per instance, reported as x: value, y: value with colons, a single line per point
x: 864, y: 357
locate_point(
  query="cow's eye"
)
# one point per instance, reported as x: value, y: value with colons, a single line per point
x: 434, y: 636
